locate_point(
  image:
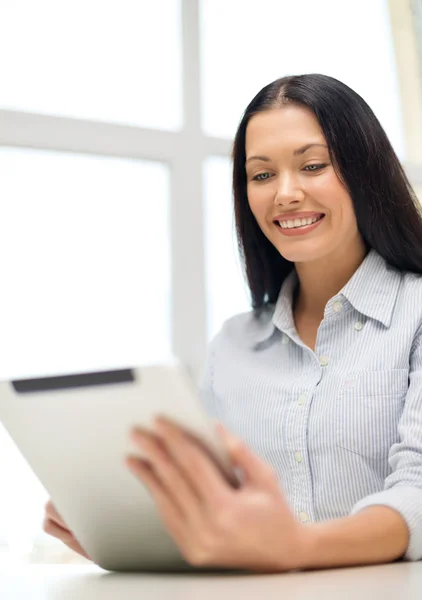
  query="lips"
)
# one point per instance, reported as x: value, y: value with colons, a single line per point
x: 300, y: 230
x: 298, y: 215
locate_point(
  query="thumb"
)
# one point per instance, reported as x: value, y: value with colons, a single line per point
x: 257, y: 472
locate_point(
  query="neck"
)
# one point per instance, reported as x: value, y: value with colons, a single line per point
x: 322, y: 279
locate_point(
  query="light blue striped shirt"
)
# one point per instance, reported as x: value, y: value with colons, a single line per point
x: 341, y: 426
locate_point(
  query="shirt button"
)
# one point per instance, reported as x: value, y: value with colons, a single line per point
x: 285, y: 339
x: 358, y: 325
x: 337, y: 306
x: 323, y: 361
x: 303, y: 517
x: 298, y: 457
x: 302, y: 399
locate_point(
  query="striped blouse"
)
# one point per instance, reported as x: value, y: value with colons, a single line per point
x: 341, y: 425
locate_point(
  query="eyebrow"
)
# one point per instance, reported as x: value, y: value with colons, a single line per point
x: 297, y: 152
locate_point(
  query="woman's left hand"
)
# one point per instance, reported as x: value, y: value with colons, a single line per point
x: 212, y: 523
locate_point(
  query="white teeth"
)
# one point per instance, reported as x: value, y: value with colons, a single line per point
x: 292, y: 223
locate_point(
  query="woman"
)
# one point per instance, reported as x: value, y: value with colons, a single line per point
x: 322, y: 380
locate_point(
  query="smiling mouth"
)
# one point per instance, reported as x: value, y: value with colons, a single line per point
x: 298, y: 223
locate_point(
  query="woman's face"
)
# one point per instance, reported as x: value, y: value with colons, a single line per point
x: 293, y: 174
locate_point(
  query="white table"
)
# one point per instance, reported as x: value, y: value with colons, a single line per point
x: 398, y: 581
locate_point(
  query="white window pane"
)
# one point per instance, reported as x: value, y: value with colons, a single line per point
x: 255, y: 44
x: 227, y: 294
x: 107, y: 61
x: 88, y: 267
x: 86, y: 274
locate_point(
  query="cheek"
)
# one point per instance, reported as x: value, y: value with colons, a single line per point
x: 327, y: 189
x: 343, y: 216
x: 331, y: 194
x: 260, y: 201
x: 350, y: 218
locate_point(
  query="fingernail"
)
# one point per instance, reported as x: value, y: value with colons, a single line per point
x: 138, y: 433
x: 160, y: 426
x: 129, y: 462
x: 138, y: 439
x: 161, y: 422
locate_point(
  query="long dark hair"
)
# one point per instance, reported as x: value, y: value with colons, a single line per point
x: 387, y: 211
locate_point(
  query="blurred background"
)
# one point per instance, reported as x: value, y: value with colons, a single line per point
x: 117, y: 244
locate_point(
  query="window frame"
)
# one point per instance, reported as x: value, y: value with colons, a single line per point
x: 406, y: 25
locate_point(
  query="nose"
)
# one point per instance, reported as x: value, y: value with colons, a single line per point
x: 288, y: 191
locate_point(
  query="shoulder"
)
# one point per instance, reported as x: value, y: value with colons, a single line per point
x: 245, y: 328
x: 410, y: 302
x: 410, y: 294
x: 412, y: 281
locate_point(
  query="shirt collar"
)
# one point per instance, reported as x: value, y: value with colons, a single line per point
x: 373, y: 288
x: 279, y: 315
x: 372, y: 291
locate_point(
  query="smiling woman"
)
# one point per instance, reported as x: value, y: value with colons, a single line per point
x: 318, y: 387
x: 322, y: 378
x: 321, y: 381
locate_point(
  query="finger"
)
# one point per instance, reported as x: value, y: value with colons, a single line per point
x: 198, y: 468
x: 52, y: 513
x: 160, y: 494
x: 255, y: 469
x: 51, y: 528
x: 169, y: 510
x: 170, y: 475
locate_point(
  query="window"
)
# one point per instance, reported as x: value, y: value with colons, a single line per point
x: 89, y: 261
x: 250, y: 48
x: 93, y: 60
x: 226, y: 290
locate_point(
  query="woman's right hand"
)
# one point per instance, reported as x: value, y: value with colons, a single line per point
x: 54, y: 525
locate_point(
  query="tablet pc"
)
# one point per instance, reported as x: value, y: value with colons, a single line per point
x: 73, y: 430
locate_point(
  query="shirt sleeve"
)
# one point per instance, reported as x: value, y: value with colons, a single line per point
x: 403, y: 487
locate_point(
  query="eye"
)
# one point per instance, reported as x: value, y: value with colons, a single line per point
x: 257, y: 177
x: 315, y: 167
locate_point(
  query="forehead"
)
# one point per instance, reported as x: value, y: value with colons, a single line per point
x: 284, y: 127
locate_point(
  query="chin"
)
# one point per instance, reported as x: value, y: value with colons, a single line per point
x: 301, y: 255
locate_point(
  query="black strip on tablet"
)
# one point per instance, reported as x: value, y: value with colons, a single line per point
x: 61, y: 382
